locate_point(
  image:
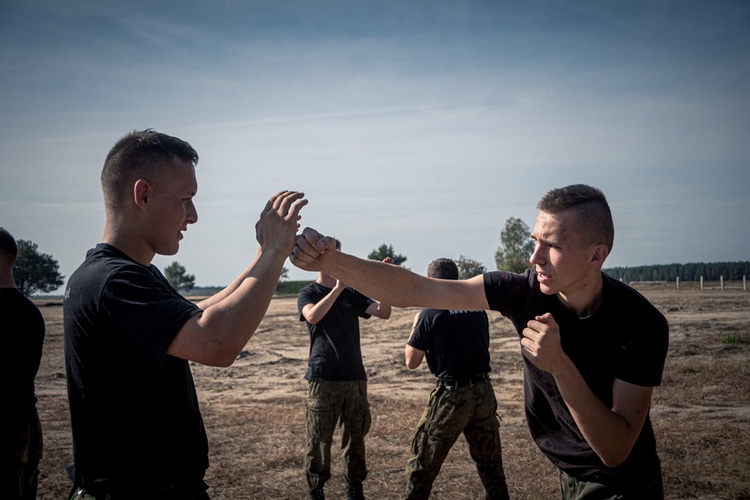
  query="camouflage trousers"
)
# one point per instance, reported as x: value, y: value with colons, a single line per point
x: 83, y: 494
x: 456, y: 408
x: 578, y: 489
x: 332, y: 404
x: 21, y: 445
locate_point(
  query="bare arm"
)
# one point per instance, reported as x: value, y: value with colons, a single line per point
x: 217, y: 335
x: 611, y: 432
x: 384, y: 282
x: 413, y: 356
x: 313, y: 313
x: 379, y: 310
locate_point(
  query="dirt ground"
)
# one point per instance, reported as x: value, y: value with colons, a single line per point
x: 254, y: 410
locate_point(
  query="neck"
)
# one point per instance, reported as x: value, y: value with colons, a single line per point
x: 326, y: 280
x: 7, y: 281
x: 585, y: 300
x: 129, y: 243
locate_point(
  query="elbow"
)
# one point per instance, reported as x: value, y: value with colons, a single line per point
x: 224, y: 356
x: 615, y: 457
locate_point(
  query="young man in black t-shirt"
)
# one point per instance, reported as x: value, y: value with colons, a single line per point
x: 21, y: 441
x: 456, y: 345
x: 593, y: 347
x: 129, y: 336
x: 337, y: 382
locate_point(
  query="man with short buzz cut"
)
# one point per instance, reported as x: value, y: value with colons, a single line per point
x: 130, y: 337
x: 456, y: 345
x: 337, y: 381
x: 21, y: 440
x: 593, y: 348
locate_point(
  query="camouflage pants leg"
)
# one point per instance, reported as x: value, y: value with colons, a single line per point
x: 354, y: 424
x: 444, y: 419
x: 332, y: 403
x: 452, y: 410
x: 21, y: 452
x: 483, y: 436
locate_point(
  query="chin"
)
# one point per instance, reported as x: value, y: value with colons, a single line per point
x: 546, y: 290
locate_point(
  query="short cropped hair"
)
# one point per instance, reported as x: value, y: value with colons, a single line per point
x: 141, y: 154
x: 8, y: 245
x: 594, y: 218
x: 443, y: 268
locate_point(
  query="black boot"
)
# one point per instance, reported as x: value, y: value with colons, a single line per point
x: 354, y: 491
x: 317, y: 494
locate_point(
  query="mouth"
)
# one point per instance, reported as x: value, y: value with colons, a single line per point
x: 543, y: 277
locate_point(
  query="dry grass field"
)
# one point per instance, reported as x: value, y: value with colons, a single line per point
x: 254, y: 410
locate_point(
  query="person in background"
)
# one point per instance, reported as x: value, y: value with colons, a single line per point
x: 130, y: 337
x: 593, y: 348
x: 21, y: 442
x: 337, y: 381
x: 456, y: 344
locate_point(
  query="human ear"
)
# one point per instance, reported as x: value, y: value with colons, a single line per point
x: 141, y: 192
x: 600, y: 254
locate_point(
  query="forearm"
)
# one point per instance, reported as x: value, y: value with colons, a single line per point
x: 609, y: 434
x: 315, y: 312
x: 387, y: 283
x: 231, y: 321
x: 234, y: 285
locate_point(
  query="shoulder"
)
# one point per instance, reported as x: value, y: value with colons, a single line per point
x: 504, y: 288
x: 310, y: 293
x: 623, y: 297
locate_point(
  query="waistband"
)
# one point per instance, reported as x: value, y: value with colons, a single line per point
x: 474, y: 379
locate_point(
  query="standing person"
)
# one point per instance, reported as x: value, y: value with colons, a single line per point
x: 23, y: 339
x: 456, y: 344
x: 337, y: 381
x: 593, y: 348
x: 129, y: 336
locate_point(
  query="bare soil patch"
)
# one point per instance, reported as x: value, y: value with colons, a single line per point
x: 254, y: 410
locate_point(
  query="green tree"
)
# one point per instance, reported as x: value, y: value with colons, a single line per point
x: 177, y: 276
x: 384, y: 251
x: 516, y: 246
x: 284, y: 274
x: 34, y: 271
x: 468, y: 268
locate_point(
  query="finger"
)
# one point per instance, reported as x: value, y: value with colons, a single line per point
x: 297, y: 205
x: 544, y: 318
x: 288, y: 200
x: 325, y: 244
x: 303, y: 247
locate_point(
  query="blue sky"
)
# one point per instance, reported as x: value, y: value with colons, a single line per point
x: 424, y: 124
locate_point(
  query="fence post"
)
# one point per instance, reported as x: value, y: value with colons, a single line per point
x: 744, y: 283
x: 721, y: 281
x: 678, y: 282
x: 701, y: 282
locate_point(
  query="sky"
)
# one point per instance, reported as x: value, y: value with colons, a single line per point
x: 423, y: 125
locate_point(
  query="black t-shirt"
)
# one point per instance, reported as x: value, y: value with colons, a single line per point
x: 626, y: 338
x: 456, y: 342
x: 134, y: 410
x: 23, y: 340
x: 335, y: 352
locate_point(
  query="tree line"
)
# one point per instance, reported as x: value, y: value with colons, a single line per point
x: 693, y: 271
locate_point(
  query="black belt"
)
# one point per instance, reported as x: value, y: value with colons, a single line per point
x: 453, y: 382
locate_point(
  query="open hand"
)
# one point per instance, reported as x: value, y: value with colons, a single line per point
x: 279, y: 221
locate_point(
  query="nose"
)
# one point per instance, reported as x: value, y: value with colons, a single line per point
x: 192, y: 213
x: 537, y: 258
